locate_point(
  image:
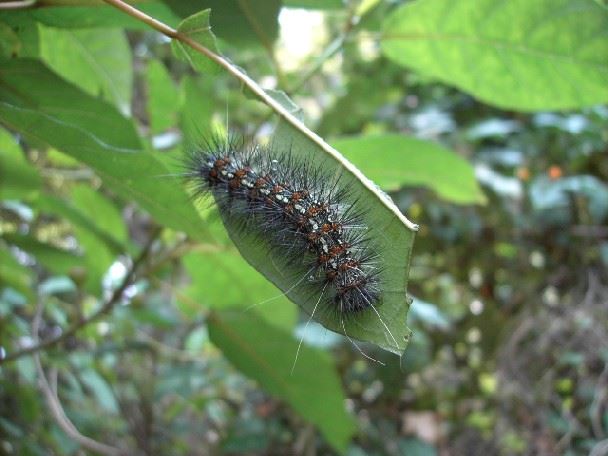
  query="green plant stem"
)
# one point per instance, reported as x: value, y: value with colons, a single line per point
x: 267, y: 99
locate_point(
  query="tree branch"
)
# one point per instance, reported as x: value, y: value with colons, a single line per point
x: 105, y: 308
x: 268, y: 100
x: 50, y: 393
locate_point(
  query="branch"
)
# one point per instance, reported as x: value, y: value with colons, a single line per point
x: 105, y: 308
x: 50, y: 393
x: 265, y: 98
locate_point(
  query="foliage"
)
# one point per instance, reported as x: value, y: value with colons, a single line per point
x: 159, y: 324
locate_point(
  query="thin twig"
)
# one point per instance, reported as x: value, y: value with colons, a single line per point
x: 268, y: 100
x: 57, y: 411
x: 105, y: 308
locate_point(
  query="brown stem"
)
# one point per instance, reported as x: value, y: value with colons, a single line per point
x: 49, y: 390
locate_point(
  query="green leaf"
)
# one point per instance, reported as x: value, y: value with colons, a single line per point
x: 283, y: 99
x: 14, y: 274
x: 54, y: 259
x: 100, y: 389
x: 266, y: 354
x: 197, y: 28
x: 45, y: 108
x: 393, y: 161
x: 100, y: 246
x: 29, y: 41
x: 314, y: 4
x: 100, y: 16
x: 97, y: 60
x: 519, y: 54
x: 163, y: 97
x: 18, y: 178
x: 242, y: 23
x: 81, y: 218
x: 389, y: 237
x: 223, y: 279
x: 196, y: 111
x: 107, y: 217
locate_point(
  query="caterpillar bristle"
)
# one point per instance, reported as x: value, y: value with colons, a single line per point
x: 306, y: 216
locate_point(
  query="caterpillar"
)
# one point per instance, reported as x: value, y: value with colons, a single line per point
x: 305, y: 215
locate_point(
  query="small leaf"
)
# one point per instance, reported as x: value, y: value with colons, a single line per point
x: 517, y: 54
x: 97, y: 60
x: 266, y: 354
x: 284, y: 100
x: 393, y: 161
x: 197, y: 28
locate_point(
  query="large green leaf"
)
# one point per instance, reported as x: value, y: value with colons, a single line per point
x: 44, y: 107
x: 197, y: 28
x: 517, y: 54
x: 267, y: 354
x: 393, y: 161
x: 96, y: 60
x: 383, y: 325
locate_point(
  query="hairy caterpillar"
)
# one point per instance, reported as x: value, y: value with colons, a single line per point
x: 307, y: 217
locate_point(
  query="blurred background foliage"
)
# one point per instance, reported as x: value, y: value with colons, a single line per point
x: 485, y: 120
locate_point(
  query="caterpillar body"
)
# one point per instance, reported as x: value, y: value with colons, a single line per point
x: 304, y: 214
